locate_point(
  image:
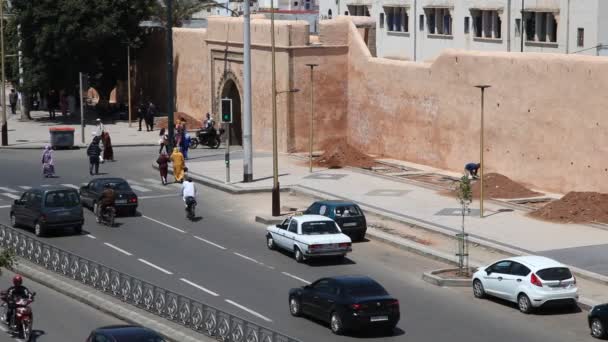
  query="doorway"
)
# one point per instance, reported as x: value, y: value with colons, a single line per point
x: 236, y: 131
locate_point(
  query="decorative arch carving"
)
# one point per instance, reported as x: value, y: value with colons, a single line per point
x: 226, y: 77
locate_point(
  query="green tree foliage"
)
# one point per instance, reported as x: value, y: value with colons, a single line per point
x: 182, y: 10
x: 464, y: 191
x: 60, y: 38
x: 7, y: 259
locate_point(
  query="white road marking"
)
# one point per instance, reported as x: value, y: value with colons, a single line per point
x: 157, y: 267
x: 91, y: 236
x: 4, y: 206
x: 118, y: 249
x: 140, y: 188
x: 209, y: 242
x: 162, y: 223
x: 297, y: 278
x: 246, y: 257
x: 7, y: 189
x: 11, y: 195
x: 130, y: 181
x: 155, y: 183
x: 25, y: 187
x: 71, y: 186
x: 248, y: 310
x: 199, y: 287
x: 158, y: 196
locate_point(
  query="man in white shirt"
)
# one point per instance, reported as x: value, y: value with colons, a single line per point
x: 188, y: 190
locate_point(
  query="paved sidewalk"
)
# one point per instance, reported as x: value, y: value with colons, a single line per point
x: 35, y: 134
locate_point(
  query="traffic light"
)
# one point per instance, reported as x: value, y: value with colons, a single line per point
x: 226, y: 110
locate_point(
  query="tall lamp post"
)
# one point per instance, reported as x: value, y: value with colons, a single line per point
x: 129, y: 81
x: 4, y: 122
x: 170, y: 105
x: 481, y: 147
x: 276, y: 199
x: 312, y: 114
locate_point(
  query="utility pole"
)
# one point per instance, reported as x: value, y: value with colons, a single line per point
x: 247, y: 118
x: 4, y: 122
x: 481, y: 147
x: 523, y: 25
x: 82, y: 98
x: 276, y: 192
x: 129, y: 81
x: 312, y: 115
x: 170, y: 104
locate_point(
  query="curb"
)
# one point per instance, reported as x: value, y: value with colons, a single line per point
x: 107, y: 304
x: 431, y: 277
x: 75, y: 147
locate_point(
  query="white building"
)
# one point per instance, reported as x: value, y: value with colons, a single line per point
x: 419, y: 29
x: 225, y: 8
x: 291, y: 5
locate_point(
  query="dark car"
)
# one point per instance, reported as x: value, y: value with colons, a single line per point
x: 48, y: 208
x: 598, y: 321
x: 347, y: 215
x: 347, y: 303
x: 124, y: 333
x: 126, y: 199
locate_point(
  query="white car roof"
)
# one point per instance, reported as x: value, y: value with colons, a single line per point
x: 536, y: 262
x: 312, y: 218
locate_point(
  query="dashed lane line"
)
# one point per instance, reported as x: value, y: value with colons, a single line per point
x: 4, y: 206
x: 117, y: 248
x: 91, y: 236
x: 139, y: 188
x: 296, y: 277
x: 25, y: 187
x: 158, y: 196
x: 163, y: 224
x: 199, y: 287
x: 7, y: 189
x: 244, y: 308
x: 209, y: 242
x: 155, y: 266
x: 246, y: 257
x: 13, y: 196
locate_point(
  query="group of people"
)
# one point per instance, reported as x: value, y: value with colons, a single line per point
x: 95, y: 153
x: 146, y: 113
x: 56, y: 101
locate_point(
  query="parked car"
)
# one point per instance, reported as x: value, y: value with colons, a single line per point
x: 124, y: 333
x: 529, y: 281
x: 308, y: 236
x: 48, y: 208
x: 126, y: 199
x: 347, y: 215
x: 347, y: 303
x: 598, y: 320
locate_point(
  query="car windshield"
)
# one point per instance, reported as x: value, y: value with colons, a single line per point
x: 320, y: 227
x: 119, y: 186
x: 365, y: 289
x: 61, y: 199
x: 347, y: 210
x: 554, y: 273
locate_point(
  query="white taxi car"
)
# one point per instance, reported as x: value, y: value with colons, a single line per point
x: 309, y: 236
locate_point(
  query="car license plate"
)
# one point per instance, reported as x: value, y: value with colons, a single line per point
x: 379, y: 318
x: 121, y: 201
x: 350, y: 224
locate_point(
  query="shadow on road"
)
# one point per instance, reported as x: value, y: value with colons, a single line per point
x: 547, y: 310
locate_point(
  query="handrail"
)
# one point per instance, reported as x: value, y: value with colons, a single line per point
x: 201, y: 318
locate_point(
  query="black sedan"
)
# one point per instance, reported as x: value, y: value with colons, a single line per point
x: 124, y: 333
x: 598, y: 321
x: 126, y: 199
x: 347, y: 303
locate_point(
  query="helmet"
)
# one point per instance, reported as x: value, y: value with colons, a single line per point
x: 17, y: 280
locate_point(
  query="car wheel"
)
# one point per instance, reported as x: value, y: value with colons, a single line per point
x: 478, y: 290
x: 78, y: 229
x: 597, y: 328
x: 298, y: 255
x: 335, y: 324
x: 524, y: 304
x: 269, y: 242
x: 389, y: 330
x: 38, y: 229
x: 361, y: 237
x: 294, y: 307
x: 14, y: 221
x: 132, y: 211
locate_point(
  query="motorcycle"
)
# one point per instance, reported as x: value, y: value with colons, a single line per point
x: 211, y: 138
x: 190, y: 207
x: 106, y: 216
x: 22, y: 323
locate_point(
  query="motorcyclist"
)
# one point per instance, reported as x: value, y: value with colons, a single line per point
x: 108, y: 198
x: 188, y: 192
x: 14, y: 294
x: 208, y: 126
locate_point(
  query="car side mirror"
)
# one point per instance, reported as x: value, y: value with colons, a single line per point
x: 488, y: 271
x: 18, y: 202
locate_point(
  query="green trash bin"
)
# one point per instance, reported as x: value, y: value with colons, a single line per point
x: 62, y: 137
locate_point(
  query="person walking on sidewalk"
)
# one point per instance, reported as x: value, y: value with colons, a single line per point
x: 99, y: 129
x: 108, y: 152
x: 48, y: 167
x: 163, y: 141
x: 186, y: 145
x: 163, y: 166
x: 177, y: 158
x: 63, y: 103
x: 94, y: 153
x: 150, y: 114
x: 141, y: 113
x: 52, y: 102
x: 12, y: 100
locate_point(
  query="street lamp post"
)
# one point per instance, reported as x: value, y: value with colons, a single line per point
x: 129, y: 81
x: 276, y: 199
x: 170, y: 104
x: 312, y: 115
x: 481, y: 147
x: 4, y: 122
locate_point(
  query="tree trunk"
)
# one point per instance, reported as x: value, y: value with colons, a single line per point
x: 25, y: 106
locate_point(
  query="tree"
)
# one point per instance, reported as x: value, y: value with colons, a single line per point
x: 182, y: 10
x: 465, y: 197
x: 7, y: 259
x: 61, y: 38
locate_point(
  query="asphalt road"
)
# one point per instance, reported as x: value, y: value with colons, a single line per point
x: 222, y: 260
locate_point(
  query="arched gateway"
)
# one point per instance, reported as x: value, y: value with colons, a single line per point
x: 229, y: 89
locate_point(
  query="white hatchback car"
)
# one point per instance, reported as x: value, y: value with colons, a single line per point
x: 529, y: 281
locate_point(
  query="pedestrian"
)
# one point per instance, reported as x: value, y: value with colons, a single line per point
x: 150, y: 114
x: 177, y: 158
x: 163, y: 166
x: 108, y: 152
x: 99, y: 129
x: 12, y: 99
x: 141, y: 113
x: 186, y: 145
x: 48, y: 167
x: 471, y: 170
x: 51, y: 103
x: 163, y: 141
x: 63, y: 103
x: 94, y: 153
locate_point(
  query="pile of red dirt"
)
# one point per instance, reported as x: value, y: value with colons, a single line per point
x: 496, y: 185
x: 338, y: 153
x: 191, y: 123
x: 576, y: 207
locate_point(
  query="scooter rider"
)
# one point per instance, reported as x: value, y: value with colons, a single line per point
x: 188, y: 192
x: 108, y: 197
x: 13, y: 294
